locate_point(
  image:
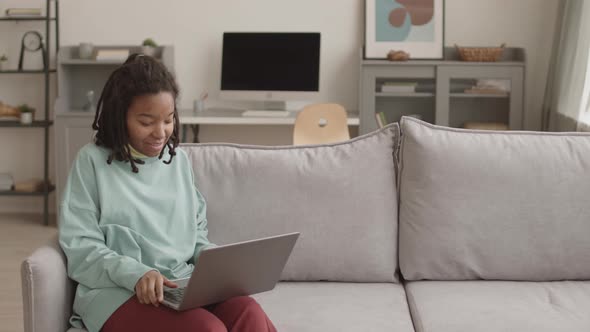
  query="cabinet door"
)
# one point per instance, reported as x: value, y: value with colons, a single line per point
x: 71, y: 134
x: 396, y: 90
x: 474, y: 96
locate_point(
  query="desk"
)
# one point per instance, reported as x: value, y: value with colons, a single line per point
x: 225, y: 116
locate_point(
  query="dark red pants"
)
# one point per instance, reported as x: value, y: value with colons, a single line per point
x: 241, y: 314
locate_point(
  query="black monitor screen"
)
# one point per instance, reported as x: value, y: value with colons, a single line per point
x: 270, y: 61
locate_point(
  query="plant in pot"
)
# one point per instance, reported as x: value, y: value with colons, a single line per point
x: 3, y: 60
x: 149, y: 47
x: 26, y: 114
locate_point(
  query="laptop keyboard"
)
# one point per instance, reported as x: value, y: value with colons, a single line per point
x: 174, y: 295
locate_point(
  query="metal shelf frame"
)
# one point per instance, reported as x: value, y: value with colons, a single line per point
x: 47, y: 123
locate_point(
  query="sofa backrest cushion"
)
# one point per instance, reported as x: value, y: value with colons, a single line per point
x: 341, y: 197
x: 509, y: 205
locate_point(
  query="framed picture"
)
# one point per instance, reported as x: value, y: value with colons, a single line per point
x: 413, y: 26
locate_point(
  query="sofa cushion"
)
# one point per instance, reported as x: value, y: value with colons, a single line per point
x: 328, y: 306
x: 341, y: 197
x: 493, y: 205
x: 491, y: 306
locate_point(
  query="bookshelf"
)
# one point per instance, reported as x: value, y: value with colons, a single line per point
x: 49, y: 22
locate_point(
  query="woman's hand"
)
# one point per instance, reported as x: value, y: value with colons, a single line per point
x: 150, y: 288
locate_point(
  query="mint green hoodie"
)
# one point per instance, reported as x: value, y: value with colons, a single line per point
x: 116, y: 225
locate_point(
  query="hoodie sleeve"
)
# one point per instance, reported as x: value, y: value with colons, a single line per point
x: 89, y: 261
x: 201, y: 225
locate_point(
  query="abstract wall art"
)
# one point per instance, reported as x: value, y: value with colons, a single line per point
x: 413, y: 26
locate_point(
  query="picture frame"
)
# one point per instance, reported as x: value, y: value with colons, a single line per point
x: 412, y: 26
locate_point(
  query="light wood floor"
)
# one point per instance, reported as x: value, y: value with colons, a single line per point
x: 19, y: 236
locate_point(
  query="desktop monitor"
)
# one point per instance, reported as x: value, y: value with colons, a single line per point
x: 277, y: 66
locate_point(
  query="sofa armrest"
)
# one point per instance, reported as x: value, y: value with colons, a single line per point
x: 47, y: 291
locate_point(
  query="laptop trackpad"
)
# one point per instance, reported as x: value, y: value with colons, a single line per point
x: 182, y: 283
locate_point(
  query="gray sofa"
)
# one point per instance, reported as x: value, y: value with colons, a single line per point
x: 443, y: 230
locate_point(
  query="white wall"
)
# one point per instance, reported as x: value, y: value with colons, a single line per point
x: 195, y: 28
x: 522, y: 23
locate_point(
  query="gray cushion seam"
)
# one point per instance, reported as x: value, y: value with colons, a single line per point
x: 400, y: 168
x: 27, y: 291
x: 414, y: 314
x: 395, y: 156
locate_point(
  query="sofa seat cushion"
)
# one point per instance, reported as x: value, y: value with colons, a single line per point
x: 335, y: 306
x: 331, y: 306
x: 341, y: 197
x: 466, y: 306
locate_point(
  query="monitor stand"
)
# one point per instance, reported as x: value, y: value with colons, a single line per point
x: 275, y: 109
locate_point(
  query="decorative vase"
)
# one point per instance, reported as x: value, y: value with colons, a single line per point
x: 85, y: 50
x: 148, y: 50
x: 26, y: 118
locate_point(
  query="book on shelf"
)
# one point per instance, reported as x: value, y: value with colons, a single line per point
x: 23, y: 12
x: 490, y: 87
x: 399, y: 83
x: 381, y: 119
x: 112, y: 55
x: 503, y: 85
x: 9, y: 118
x: 486, y: 91
x: 400, y: 89
x: 399, y: 86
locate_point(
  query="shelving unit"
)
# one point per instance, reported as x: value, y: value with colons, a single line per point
x: 25, y: 71
x: 46, y: 123
x: 440, y: 95
x: 35, y: 124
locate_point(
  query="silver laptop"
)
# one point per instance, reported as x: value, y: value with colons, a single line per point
x: 236, y: 269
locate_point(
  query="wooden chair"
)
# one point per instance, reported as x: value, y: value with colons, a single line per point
x: 321, y: 123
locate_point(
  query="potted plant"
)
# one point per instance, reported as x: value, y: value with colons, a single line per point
x: 26, y: 114
x: 149, y: 47
x: 3, y: 60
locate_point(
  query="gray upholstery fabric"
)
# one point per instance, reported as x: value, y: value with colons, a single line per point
x: 334, y: 306
x: 493, y: 205
x: 48, y: 293
x: 341, y: 197
x: 493, y: 306
x: 328, y: 306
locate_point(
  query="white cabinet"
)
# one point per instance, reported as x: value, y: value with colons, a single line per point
x: 446, y: 92
x: 72, y: 132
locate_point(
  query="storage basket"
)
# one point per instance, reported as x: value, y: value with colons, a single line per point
x: 481, y: 54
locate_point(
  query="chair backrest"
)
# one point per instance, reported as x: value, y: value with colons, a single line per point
x: 321, y: 123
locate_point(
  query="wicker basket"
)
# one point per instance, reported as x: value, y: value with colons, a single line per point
x: 6, y: 110
x: 481, y: 54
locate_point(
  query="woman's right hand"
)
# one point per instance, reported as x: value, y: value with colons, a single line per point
x: 150, y: 288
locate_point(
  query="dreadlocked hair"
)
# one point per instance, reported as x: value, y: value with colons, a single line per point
x: 139, y: 75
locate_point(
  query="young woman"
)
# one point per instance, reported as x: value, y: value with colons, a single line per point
x: 131, y: 218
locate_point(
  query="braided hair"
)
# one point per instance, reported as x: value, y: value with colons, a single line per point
x: 139, y: 75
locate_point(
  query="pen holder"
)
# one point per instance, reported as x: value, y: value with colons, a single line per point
x: 199, y: 105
